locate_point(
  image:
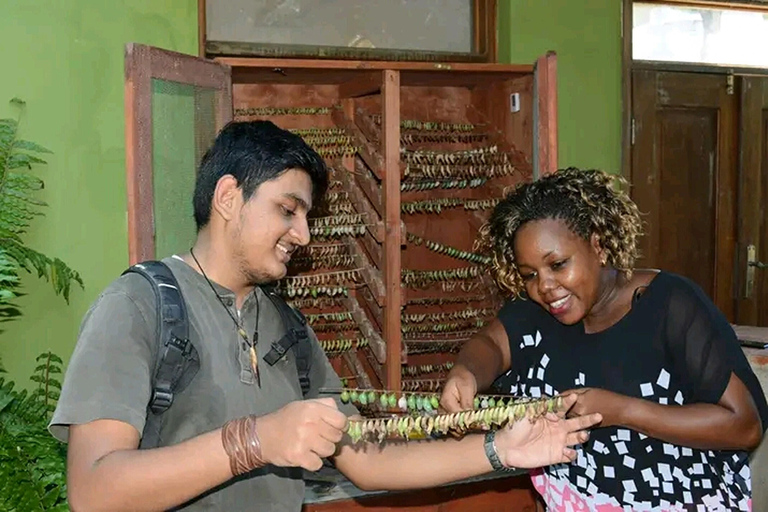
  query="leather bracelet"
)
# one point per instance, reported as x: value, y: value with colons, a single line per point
x: 241, y: 442
x: 492, y: 454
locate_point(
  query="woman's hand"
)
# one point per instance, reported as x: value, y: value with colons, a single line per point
x: 610, y: 405
x: 459, y: 390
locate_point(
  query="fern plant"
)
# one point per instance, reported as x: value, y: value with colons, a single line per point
x: 18, y: 206
x: 32, y: 462
x: 9, y: 281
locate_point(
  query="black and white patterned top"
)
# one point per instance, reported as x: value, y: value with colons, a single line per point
x: 673, y: 347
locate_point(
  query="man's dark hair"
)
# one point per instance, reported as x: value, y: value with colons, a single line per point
x: 254, y: 152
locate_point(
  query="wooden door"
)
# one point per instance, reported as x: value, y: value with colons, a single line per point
x: 684, y: 176
x: 175, y: 104
x: 752, y: 257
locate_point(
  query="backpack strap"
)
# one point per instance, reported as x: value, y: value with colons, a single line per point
x: 295, y: 337
x: 177, y: 359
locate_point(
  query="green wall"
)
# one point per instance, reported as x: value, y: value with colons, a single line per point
x: 586, y: 34
x: 65, y: 59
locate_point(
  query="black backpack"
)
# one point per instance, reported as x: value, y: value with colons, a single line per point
x: 178, y: 360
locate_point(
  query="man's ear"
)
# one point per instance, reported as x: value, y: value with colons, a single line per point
x: 227, y: 198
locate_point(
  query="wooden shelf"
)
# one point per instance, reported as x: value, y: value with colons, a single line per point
x: 372, y: 105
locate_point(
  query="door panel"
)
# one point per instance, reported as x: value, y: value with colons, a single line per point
x: 690, y: 179
x: 687, y: 146
x: 684, y: 176
x: 752, y: 303
x: 174, y: 106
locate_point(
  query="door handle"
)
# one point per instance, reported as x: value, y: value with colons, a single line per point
x: 752, y: 264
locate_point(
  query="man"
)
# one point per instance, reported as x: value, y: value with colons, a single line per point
x: 253, y: 192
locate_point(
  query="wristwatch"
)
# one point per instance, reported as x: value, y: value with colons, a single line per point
x: 493, y: 456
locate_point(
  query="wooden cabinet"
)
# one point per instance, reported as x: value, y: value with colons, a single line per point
x: 505, y: 494
x: 418, y: 153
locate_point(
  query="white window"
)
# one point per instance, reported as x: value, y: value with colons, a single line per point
x: 678, y: 33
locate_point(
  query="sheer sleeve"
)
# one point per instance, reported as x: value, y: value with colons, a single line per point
x: 516, y: 315
x: 519, y: 317
x: 704, y: 348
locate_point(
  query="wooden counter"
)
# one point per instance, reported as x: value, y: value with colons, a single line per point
x: 490, y: 493
x: 758, y: 359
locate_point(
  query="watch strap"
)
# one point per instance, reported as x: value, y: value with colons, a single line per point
x: 493, y: 456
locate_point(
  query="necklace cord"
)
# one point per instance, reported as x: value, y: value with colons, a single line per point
x: 253, y: 358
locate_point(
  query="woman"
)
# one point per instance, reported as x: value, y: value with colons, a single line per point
x: 646, y: 349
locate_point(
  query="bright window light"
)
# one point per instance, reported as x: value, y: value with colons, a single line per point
x: 674, y: 33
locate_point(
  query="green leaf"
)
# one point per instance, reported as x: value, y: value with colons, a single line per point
x: 51, y: 498
x: 30, y: 146
x: 32, y: 462
x: 54, y: 270
x: 19, y: 160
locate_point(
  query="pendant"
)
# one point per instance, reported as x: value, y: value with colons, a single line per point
x: 254, y: 364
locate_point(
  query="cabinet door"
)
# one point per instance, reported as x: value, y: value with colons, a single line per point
x: 175, y: 104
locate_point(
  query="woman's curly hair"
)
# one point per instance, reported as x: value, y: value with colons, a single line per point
x: 584, y: 199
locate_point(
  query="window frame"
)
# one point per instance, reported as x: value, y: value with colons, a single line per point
x: 629, y: 64
x: 485, y: 43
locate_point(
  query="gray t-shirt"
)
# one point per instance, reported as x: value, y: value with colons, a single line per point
x: 109, y: 377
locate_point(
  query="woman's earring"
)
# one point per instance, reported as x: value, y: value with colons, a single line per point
x: 603, y: 261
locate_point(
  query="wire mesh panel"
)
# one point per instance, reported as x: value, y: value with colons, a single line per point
x: 174, y: 106
x: 183, y: 127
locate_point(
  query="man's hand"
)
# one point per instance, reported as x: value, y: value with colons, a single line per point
x: 610, y: 405
x: 301, y: 433
x: 544, y: 441
x: 459, y: 390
